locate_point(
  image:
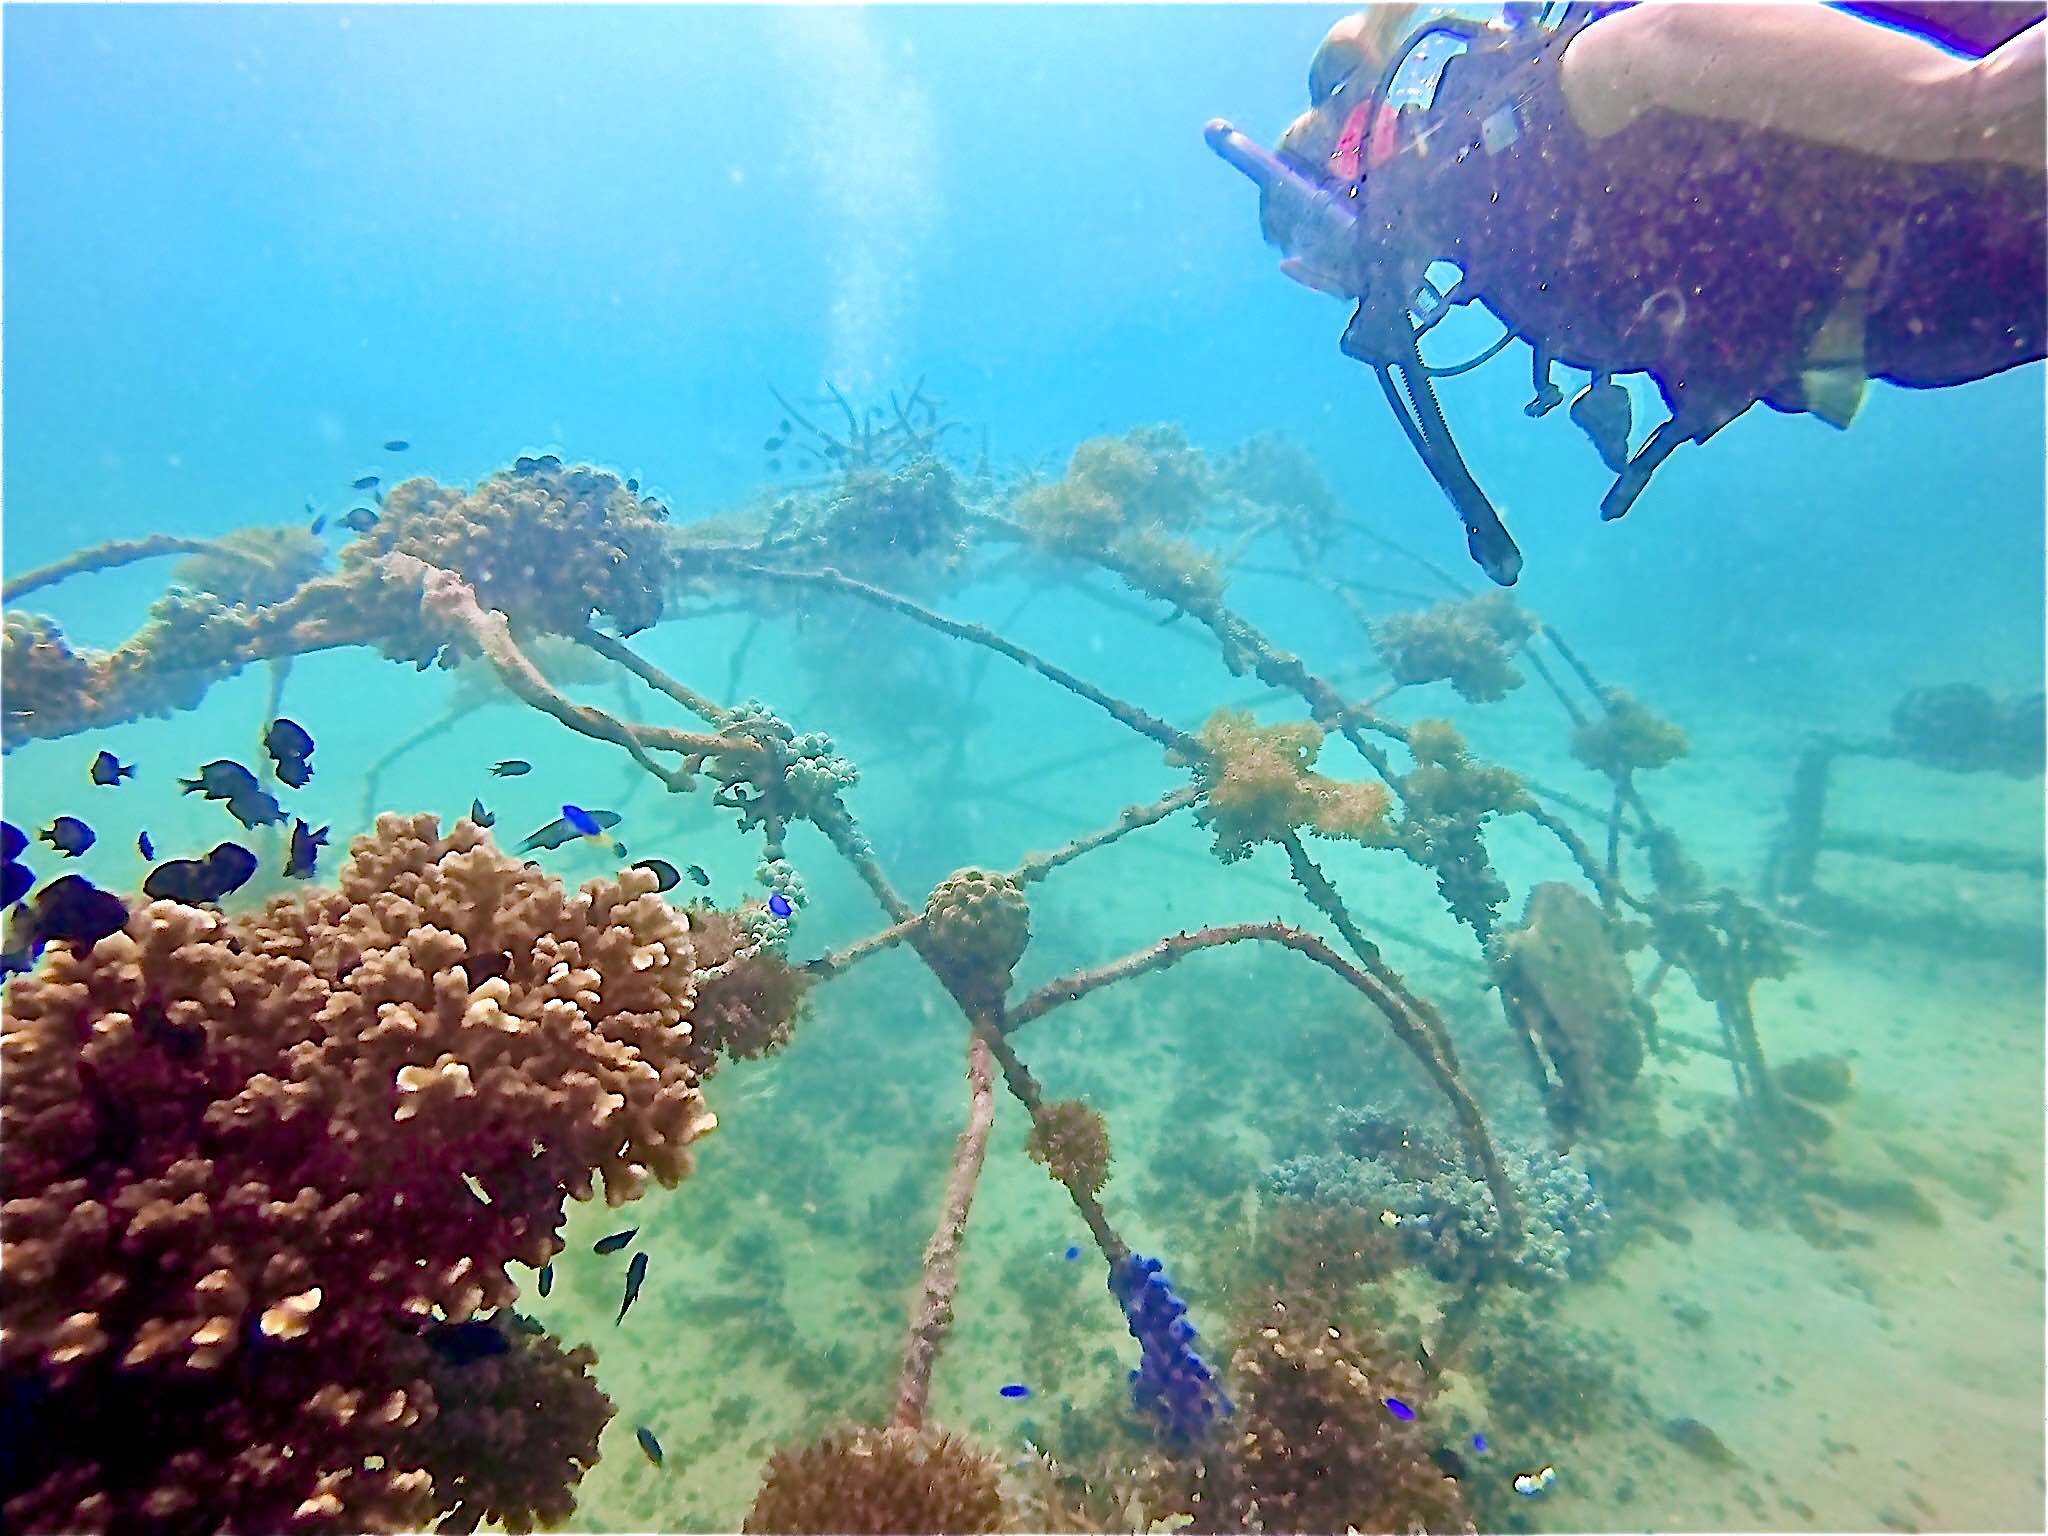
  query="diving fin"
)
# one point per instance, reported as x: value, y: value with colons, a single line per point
x: 1832, y: 381
x: 1602, y: 411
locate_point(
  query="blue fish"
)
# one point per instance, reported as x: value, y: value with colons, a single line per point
x: 547, y: 1278
x: 305, y: 850
x: 68, y: 835
x: 561, y: 830
x: 109, y: 769
x: 636, y: 1272
x: 1479, y: 1444
x: 16, y: 881
x: 291, y: 748
x: 779, y: 904
x: 1073, y: 1253
x: 581, y: 821
x: 359, y: 520
x: 318, y: 523
x: 144, y: 846
x: 648, y: 1443
x: 1399, y: 1409
x: 1014, y: 1390
x: 193, y: 881
x: 363, y: 483
x: 615, y: 1242
x: 12, y: 842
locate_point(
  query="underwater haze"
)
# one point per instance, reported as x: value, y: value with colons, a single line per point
x: 901, y: 734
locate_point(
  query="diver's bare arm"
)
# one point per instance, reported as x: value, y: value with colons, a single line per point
x: 1816, y: 73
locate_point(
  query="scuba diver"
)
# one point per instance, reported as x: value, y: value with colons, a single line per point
x: 1746, y: 202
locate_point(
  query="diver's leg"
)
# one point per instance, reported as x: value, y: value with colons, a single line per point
x: 1816, y: 73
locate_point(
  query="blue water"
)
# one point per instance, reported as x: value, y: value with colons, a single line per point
x: 245, y: 246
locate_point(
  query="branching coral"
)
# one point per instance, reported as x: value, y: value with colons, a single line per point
x: 860, y: 1480
x: 748, y: 995
x: 1445, y: 799
x: 515, y: 1422
x: 1315, y: 1445
x: 548, y: 546
x: 1414, y: 1182
x: 241, y: 1152
x: 254, y: 566
x: 1466, y: 643
x: 1071, y: 1140
x: 878, y: 519
x: 1259, y: 784
x: 1627, y: 738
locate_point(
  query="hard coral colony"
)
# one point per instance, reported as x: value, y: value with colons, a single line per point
x: 272, y: 1176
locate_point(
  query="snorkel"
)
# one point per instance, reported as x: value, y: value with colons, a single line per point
x: 1339, y: 237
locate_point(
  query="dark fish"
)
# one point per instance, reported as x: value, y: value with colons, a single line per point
x: 467, y: 1343
x: 221, y: 780
x: 1448, y: 1462
x: 776, y: 465
x: 696, y: 874
x: 549, y: 461
x: 1602, y: 412
x: 291, y: 748
x: 16, y: 881
x: 256, y: 808
x: 666, y: 876
x: 13, y: 843
x: 305, y: 851
x: 773, y: 445
x: 68, y: 835
x: 109, y: 769
x: 511, y: 768
x: 318, y: 523
x: 547, y: 1279
x: 524, y: 465
x: 779, y: 904
x: 144, y: 846
x: 21, y: 949
x: 615, y: 1242
x: 633, y: 486
x: 359, y: 519
x: 636, y: 1272
x: 364, y: 483
x: 1693, y: 1436
x: 480, y: 816
x: 783, y: 426
x: 482, y: 965
x: 1014, y: 1390
x: 397, y: 445
x: 524, y: 1324
x: 1399, y: 1409
x: 560, y: 831
x: 584, y: 823
x: 648, y: 1443
x: 72, y: 910
x: 195, y: 881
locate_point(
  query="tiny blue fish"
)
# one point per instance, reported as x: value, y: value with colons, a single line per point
x: 1479, y: 1444
x: 581, y: 821
x: 547, y: 1279
x: 68, y: 835
x: 359, y: 520
x: 697, y: 875
x: 1015, y: 1390
x: 779, y: 904
x: 364, y: 482
x: 397, y: 445
x: 636, y: 1272
x: 109, y: 769
x: 1398, y: 1409
x: 480, y: 816
x: 633, y: 485
x: 318, y: 523
x: 648, y: 1443
x: 144, y: 846
x: 615, y: 1242
x: 1073, y: 1253
x: 511, y: 768
x: 16, y: 881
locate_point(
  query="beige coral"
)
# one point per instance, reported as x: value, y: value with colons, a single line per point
x: 1260, y: 785
x: 864, y: 1480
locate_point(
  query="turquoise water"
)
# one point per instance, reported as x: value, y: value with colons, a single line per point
x: 247, y: 246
